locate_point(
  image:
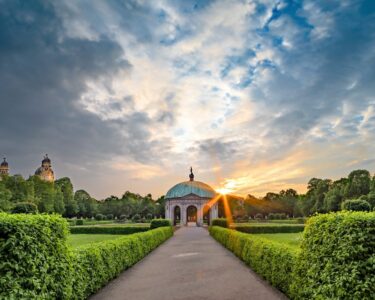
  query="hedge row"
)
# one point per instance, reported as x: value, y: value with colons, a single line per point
x: 156, y: 223
x: 272, y: 260
x: 222, y: 222
x: 36, y: 263
x: 287, y: 228
x: 108, y: 229
x: 98, y: 263
x: 336, y: 259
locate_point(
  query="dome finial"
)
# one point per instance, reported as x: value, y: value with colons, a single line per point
x: 191, y: 176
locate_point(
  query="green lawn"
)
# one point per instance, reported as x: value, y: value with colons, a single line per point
x: 76, y: 240
x: 289, y: 239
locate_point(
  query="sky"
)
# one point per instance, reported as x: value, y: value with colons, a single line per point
x: 256, y: 96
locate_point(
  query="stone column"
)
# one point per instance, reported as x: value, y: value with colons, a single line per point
x: 183, y: 215
x: 200, y: 215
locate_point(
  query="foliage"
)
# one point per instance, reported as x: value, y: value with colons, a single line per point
x: 337, y: 258
x: 276, y: 216
x: 222, y: 222
x: 356, y: 205
x: 24, y: 208
x: 287, y: 228
x: 36, y: 263
x: 99, y: 217
x: 272, y: 260
x: 87, y: 206
x: 34, y: 258
x: 155, y: 223
x: 79, y: 222
x: 109, y: 217
x: 107, y: 229
x: 98, y: 263
x: 66, y: 187
x: 136, y: 218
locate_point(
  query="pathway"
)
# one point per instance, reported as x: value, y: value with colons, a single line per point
x: 190, y: 265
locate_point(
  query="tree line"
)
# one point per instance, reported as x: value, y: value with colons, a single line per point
x: 322, y: 196
x: 21, y: 195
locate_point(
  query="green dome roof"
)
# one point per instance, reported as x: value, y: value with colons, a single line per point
x: 191, y: 187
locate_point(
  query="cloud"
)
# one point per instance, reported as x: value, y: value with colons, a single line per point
x: 127, y: 94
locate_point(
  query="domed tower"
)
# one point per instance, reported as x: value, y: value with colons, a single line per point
x: 4, y: 168
x: 45, y: 172
x: 191, y: 202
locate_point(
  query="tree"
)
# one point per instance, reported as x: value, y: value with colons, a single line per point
x: 59, y: 204
x: 66, y: 187
x: 24, y: 208
x: 44, y: 194
x: 356, y: 205
x: 87, y: 206
x: 5, y: 196
x: 358, y: 184
x: 317, y: 189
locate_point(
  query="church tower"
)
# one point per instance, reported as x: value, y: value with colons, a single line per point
x: 4, y: 168
x: 45, y: 172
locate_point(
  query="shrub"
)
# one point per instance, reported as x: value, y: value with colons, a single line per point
x: 222, y: 222
x: 79, y: 222
x: 123, y: 217
x: 34, y: 258
x: 136, y: 218
x: 25, y: 208
x: 356, y: 205
x: 258, y: 216
x: 109, y: 217
x: 71, y: 222
x: 36, y: 263
x: 287, y: 228
x: 338, y: 257
x: 155, y: 223
x: 98, y: 263
x: 99, y: 217
x: 149, y: 216
x: 271, y: 260
x: 107, y: 229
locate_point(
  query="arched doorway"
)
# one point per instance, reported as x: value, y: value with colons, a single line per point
x: 176, y: 215
x: 192, y: 214
x: 206, y: 215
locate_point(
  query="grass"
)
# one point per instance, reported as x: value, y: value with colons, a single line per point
x: 290, y: 239
x: 77, y: 240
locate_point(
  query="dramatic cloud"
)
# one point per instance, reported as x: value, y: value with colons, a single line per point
x: 126, y: 95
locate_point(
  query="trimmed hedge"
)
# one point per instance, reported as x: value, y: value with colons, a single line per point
x: 272, y: 260
x: 108, y: 229
x: 156, y: 223
x: 35, y: 261
x: 270, y: 228
x: 98, y: 263
x: 222, y: 222
x: 356, y: 205
x: 338, y: 257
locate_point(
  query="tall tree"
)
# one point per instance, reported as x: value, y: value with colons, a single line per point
x: 358, y: 184
x: 66, y: 187
x: 5, y: 196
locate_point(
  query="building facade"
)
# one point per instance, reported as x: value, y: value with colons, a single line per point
x: 191, y: 202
